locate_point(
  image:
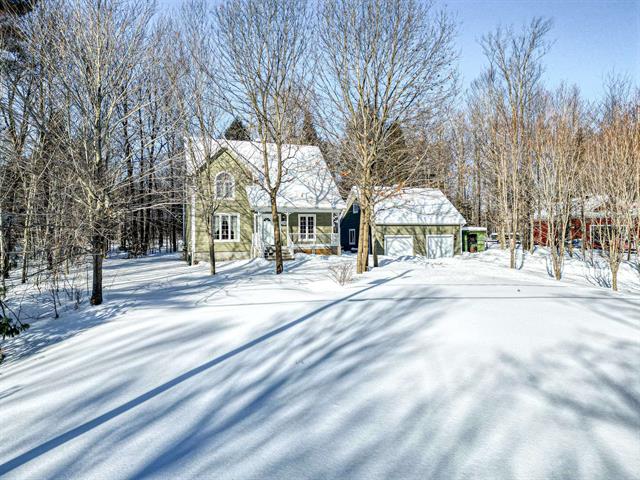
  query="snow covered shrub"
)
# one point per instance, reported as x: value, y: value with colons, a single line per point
x: 341, y: 273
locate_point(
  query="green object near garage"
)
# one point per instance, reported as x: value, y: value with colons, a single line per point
x: 474, y: 239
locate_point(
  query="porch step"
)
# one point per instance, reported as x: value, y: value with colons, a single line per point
x: 270, y: 254
x: 285, y: 257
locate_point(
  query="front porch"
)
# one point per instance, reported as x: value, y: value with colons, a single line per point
x: 313, y: 232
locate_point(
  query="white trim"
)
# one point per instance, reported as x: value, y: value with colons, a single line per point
x: 413, y: 250
x: 233, y: 186
x: 426, y: 245
x: 229, y: 240
x: 315, y: 225
x: 352, y: 242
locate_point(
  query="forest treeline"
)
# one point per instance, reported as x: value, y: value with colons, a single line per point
x: 98, y: 99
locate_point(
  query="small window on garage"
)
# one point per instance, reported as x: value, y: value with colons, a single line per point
x: 352, y: 236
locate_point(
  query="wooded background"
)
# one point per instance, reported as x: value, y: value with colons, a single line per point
x: 97, y: 98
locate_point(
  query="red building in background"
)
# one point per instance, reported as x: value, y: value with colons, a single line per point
x: 588, y: 218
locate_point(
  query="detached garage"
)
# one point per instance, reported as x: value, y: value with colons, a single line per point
x: 418, y: 221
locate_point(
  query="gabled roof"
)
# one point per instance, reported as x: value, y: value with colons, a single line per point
x: 413, y: 206
x: 307, y: 182
x: 595, y: 206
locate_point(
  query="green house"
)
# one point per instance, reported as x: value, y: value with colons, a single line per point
x: 474, y: 239
x: 407, y: 222
x: 227, y: 184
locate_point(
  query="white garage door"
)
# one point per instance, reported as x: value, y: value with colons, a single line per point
x: 439, y: 246
x: 398, y: 245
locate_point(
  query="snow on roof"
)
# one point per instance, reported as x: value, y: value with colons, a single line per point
x: 595, y: 206
x: 307, y: 182
x: 474, y: 229
x: 418, y: 206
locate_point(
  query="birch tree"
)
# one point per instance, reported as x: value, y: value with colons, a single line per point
x: 613, y: 180
x: 512, y: 82
x: 559, y: 152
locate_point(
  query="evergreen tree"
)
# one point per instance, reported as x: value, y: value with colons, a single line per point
x: 309, y: 133
x: 10, y: 33
x: 237, y: 131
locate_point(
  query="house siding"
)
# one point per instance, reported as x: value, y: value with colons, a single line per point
x: 349, y: 221
x: 225, y: 250
x: 419, y: 233
x: 241, y: 249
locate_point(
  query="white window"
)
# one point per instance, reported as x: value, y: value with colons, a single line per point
x: 352, y: 236
x: 355, y: 208
x: 226, y: 227
x: 224, y: 186
x: 307, y: 227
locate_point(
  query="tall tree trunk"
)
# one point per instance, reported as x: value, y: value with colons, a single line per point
x: 212, y: 253
x: 277, y: 238
x: 532, y: 242
x: 97, y: 246
x: 26, y: 245
x: 26, y: 236
x: 363, y: 240
x: 4, y: 271
x: 374, y: 250
x: 512, y: 251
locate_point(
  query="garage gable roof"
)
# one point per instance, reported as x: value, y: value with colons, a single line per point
x: 417, y: 206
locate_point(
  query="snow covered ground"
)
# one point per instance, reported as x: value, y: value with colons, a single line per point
x: 459, y: 368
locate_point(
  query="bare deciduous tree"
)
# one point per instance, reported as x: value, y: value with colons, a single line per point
x: 96, y: 59
x: 384, y: 63
x: 512, y: 83
x: 613, y: 177
x: 263, y: 69
x: 558, y: 153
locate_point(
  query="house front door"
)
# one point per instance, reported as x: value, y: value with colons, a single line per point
x: 267, y: 230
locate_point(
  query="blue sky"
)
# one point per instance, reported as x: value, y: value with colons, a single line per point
x: 591, y: 37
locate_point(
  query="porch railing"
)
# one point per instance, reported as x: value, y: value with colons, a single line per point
x: 257, y: 246
x: 319, y: 239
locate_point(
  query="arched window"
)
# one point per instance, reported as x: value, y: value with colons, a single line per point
x: 224, y: 185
